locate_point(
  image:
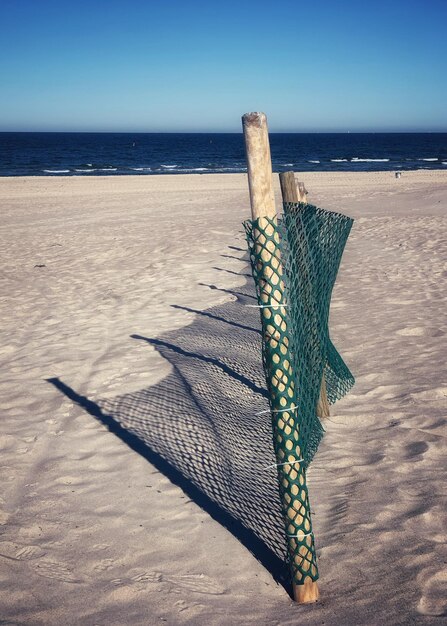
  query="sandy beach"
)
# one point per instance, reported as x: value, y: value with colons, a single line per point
x: 131, y: 378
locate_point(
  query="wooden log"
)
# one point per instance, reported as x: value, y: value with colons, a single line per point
x: 296, y: 192
x: 260, y: 181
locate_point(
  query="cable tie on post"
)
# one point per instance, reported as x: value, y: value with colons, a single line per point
x: 264, y: 306
x: 303, y: 535
x: 285, y: 463
x: 291, y: 408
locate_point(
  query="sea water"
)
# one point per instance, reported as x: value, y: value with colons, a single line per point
x: 111, y: 154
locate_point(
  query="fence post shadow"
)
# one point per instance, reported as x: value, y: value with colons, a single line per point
x: 199, y: 426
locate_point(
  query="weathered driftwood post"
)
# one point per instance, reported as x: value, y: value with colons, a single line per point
x: 294, y: 192
x: 291, y: 190
x: 277, y: 361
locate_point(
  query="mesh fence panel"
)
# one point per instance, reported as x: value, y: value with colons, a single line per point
x: 310, y: 244
x: 294, y: 264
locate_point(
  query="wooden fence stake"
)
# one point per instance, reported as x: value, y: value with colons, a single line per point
x: 296, y: 192
x: 262, y: 199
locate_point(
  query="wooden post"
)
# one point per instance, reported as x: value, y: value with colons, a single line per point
x: 296, y: 192
x: 302, y: 192
x: 259, y: 165
x: 260, y: 181
x: 323, y: 406
x: 289, y: 189
x: 292, y: 191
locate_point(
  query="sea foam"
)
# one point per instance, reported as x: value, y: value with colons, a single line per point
x: 187, y: 170
x: 357, y: 160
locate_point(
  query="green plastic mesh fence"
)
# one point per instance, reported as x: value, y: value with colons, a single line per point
x: 312, y: 244
x: 295, y: 263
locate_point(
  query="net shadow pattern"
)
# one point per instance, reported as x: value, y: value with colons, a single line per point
x: 203, y: 418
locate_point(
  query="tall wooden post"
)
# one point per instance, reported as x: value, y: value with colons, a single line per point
x: 260, y: 181
x: 296, y: 192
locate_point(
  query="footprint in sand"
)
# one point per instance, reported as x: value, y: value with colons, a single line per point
x: 419, y: 331
x: 434, y: 596
x: 27, y: 553
x: 139, y: 580
x: 17, y: 552
x: 55, y: 571
x: 104, y: 565
x: 197, y: 583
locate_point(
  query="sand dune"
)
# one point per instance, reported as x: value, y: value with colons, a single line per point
x: 130, y: 382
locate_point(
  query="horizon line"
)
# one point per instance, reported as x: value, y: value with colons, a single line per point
x: 229, y: 132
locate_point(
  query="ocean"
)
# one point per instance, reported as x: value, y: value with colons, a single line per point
x: 111, y: 154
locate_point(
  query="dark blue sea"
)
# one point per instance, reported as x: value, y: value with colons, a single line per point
x: 84, y: 154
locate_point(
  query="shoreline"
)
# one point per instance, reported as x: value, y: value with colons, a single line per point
x: 306, y: 172
x: 303, y: 173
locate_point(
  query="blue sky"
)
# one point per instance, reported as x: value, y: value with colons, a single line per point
x: 144, y: 65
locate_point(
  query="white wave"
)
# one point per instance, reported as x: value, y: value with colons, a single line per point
x: 338, y: 160
x: 357, y: 160
x: 287, y: 165
x: 56, y: 171
x: 193, y: 169
x: 85, y: 171
x: 444, y: 162
x: 107, y: 169
x: 169, y: 167
x: 427, y: 159
x: 230, y: 169
x: 141, y: 169
x: 313, y: 161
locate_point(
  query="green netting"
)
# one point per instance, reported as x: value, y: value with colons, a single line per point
x: 295, y: 263
x: 312, y: 241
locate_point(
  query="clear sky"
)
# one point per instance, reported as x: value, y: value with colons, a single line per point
x: 191, y: 65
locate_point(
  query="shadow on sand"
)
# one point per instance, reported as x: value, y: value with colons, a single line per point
x: 199, y: 426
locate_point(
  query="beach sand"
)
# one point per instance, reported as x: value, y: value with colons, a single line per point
x: 115, y: 293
